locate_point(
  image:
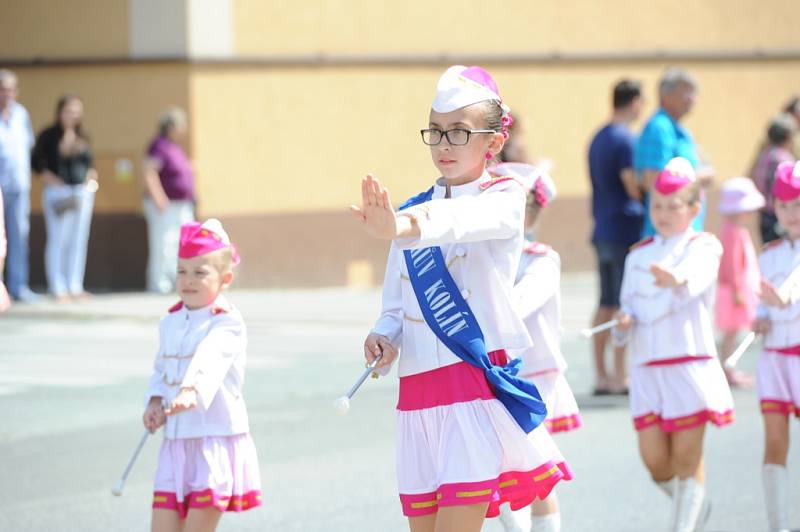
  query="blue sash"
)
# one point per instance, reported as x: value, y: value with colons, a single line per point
x: 452, y: 321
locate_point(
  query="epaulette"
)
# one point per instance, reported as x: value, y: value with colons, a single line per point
x: 772, y: 244
x: 642, y: 243
x: 496, y: 180
x: 176, y: 307
x: 219, y: 309
x: 536, y: 248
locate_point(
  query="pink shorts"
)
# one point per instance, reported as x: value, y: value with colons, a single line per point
x: 679, y: 396
x: 216, y: 471
x: 458, y: 445
x: 779, y: 382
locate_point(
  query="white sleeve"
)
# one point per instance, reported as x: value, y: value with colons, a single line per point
x: 225, y: 342
x: 536, y: 287
x: 390, y: 321
x: 156, y: 387
x: 699, y: 270
x: 620, y: 338
x: 491, y: 215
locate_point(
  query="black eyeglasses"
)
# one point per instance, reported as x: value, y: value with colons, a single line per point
x: 455, y: 137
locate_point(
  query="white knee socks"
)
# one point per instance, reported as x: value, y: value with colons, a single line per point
x: 522, y: 520
x: 687, y: 504
x: 667, y: 486
x: 776, y: 496
x: 519, y: 521
x: 547, y: 523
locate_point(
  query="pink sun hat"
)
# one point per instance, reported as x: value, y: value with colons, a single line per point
x: 201, y: 238
x: 461, y: 86
x: 739, y: 194
x: 677, y: 174
x: 787, y: 181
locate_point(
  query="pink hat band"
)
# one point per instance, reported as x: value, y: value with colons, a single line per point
x: 199, y: 239
x: 668, y: 182
x: 787, y: 182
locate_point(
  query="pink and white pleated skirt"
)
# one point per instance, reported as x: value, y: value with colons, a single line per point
x: 680, y: 394
x: 458, y: 445
x: 563, y: 414
x: 213, y: 471
x: 779, y: 381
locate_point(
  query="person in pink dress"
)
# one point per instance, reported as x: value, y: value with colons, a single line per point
x: 4, y: 300
x: 738, y: 281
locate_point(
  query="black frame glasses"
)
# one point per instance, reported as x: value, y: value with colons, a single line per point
x: 429, y: 134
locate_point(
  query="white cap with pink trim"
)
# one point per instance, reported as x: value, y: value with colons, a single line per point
x: 461, y: 86
x: 678, y: 173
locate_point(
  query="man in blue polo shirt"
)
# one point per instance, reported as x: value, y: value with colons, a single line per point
x: 663, y: 138
x: 618, y: 215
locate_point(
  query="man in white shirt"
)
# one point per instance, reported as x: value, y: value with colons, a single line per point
x: 16, y: 141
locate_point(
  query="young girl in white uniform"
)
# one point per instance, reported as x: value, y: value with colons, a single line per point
x: 537, y: 296
x: 462, y: 447
x: 779, y: 363
x: 207, y: 464
x: 676, y: 381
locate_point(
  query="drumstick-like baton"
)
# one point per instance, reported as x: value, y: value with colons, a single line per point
x: 588, y: 333
x: 342, y: 404
x: 737, y: 354
x: 117, y: 489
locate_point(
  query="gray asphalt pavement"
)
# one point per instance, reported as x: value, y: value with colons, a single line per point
x: 71, y: 385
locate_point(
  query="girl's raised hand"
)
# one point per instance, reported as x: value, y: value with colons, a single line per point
x: 664, y: 277
x: 376, y: 344
x: 376, y: 213
x: 771, y: 295
x: 186, y: 399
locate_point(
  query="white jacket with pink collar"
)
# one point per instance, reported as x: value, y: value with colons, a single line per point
x: 672, y: 322
x: 204, y: 349
x: 780, y: 265
x: 479, y: 229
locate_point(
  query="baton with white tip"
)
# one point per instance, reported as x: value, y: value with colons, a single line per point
x: 342, y: 404
x: 588, y: 333
x: 117, y: 489
x: 737, y: 354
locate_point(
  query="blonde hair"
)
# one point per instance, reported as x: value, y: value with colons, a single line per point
x: 222, y: 259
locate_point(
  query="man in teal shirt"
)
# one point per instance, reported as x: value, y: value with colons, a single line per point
x: 663, y: 138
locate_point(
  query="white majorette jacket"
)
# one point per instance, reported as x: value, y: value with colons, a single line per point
x: 672, y: 322
x: 537, y: 297
x: 479, y: 230
x: 204, y: 349
x: 778, y: 261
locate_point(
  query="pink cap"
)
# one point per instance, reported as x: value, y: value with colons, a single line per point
x: 198, y: 239
x: 677, y: 174
x: 787, y: 181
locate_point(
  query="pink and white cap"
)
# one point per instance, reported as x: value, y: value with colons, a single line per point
x: 201, y: 238
x: 677, y: 174
x: 530, y: 177
x: 739, y: 194
x: 787, y: 181
x: 461, y: 86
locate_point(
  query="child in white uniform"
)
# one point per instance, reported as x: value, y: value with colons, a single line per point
x: 538, y: 300
x: 779, y: 322
x: 461, y: 448
x: 676, y: 381
x: 207, y: 464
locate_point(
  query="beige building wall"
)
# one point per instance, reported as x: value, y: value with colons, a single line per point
x: 511, y: 26
x: 290, y: 105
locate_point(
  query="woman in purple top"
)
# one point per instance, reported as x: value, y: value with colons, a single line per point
x: 169, y: 199
x: 777, y: 150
